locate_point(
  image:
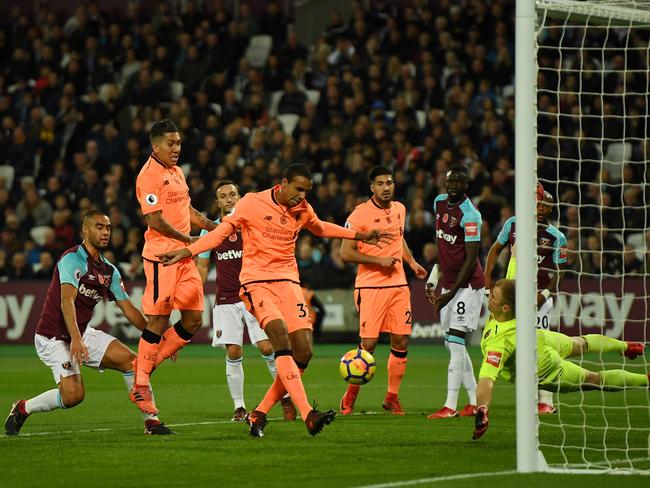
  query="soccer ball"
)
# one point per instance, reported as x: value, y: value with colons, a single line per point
x: 357, y: 367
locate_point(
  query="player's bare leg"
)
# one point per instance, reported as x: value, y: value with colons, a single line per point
x: 346, y: 406
x: 396, y: 368
x: 120, y: 358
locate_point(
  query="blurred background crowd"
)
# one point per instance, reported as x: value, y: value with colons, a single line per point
x: 414, y: 85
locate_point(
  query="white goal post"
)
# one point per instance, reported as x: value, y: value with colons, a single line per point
x: 585, y: 141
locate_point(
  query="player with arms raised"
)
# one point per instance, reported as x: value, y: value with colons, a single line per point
x: 229, y: 315
x: 165, y: 203
x: 458, y: 235
x: 270, y: 222
x: 551, y: 258
x: 554, y: 372
x: 82, y: 278
x: 381, y: 291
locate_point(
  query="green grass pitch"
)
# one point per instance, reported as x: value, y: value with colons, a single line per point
x: 100, y: 442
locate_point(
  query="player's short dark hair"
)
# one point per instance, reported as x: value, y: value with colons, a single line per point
x: 508, y: 292
x: 297, y: 169
x: 221, y: 183
x: 460, y: 169
x: 379, y: 171
x: 92, y: 213
x: 162, y: 127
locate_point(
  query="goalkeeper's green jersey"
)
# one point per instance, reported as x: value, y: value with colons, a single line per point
x: 499, y: 344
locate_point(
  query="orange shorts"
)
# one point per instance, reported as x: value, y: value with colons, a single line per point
x: 383, y: 310
x: 272, y: 300
x: 172, y: 287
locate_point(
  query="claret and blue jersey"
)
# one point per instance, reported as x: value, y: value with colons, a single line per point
x: 94, y: 281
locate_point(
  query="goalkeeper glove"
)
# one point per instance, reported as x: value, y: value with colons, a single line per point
x: 480, y: 422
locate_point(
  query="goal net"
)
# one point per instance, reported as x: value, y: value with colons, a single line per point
x: 593, y: 147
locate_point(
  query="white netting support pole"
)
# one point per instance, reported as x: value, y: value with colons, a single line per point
x: 525, y: 157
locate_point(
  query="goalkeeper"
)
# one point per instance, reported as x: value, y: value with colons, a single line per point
x: 554, y: 372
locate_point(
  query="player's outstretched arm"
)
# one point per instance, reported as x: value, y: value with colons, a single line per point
x: 490, y: 262
x: 350, y: 254
x: 206, y: 242
x: 200, y: 220
x: 483, y: 399
x: 408, y: 258
x: 157, y: 222
x: 78, y: 349
x: 132, y: 314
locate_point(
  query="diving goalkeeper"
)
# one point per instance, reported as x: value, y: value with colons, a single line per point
x: 554, y: 372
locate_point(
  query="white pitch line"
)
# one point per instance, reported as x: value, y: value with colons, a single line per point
x: 112, y: 429
x: 437, y: 479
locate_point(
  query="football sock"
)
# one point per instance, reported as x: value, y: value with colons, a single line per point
x: 616, y: 379
x: 454, y: 370
x: 601, y: 343
x: 545, y: 397
x: 147, y: 349
x: 289, y: 374
x: 235, y: 378
x: 45, y: 402
x: 270, y: 363
x: 469, y: 381
x: 276, y: 392
x: 173, y: 340
x: 129, y: 380
x: 396, y: 368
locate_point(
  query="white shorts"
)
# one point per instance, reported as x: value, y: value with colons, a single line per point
x: 463, y: 311
x: 544, y: 314
x: 228, y: 322
x: 55, y: 353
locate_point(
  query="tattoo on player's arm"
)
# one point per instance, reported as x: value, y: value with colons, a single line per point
x: 197, y: 218
x: 157, y: 222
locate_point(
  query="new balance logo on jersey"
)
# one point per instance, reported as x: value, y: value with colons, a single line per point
x: 446, y: 237
x: 89, y: 292
x: 229, y: 255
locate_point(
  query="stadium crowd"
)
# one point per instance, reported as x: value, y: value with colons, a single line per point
x: 417, y: 88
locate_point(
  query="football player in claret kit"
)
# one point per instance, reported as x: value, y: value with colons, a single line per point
x: 229, y: 316
x: 554, y: 372
x: 270, y: 222
x: 458, y: 235
x: 82, y: 278
x: 381, y: 292
x: 551, y: 259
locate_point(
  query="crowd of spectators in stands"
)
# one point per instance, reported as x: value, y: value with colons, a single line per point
x: 417, y: 88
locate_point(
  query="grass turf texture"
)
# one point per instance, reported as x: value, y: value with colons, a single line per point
x: 101, y: 441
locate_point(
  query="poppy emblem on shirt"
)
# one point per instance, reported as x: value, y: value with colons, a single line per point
x: 283, y: 220
x: 233, y: 238
x: 151, y: 199
x: 445, y: 218
x: 493, y: 358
